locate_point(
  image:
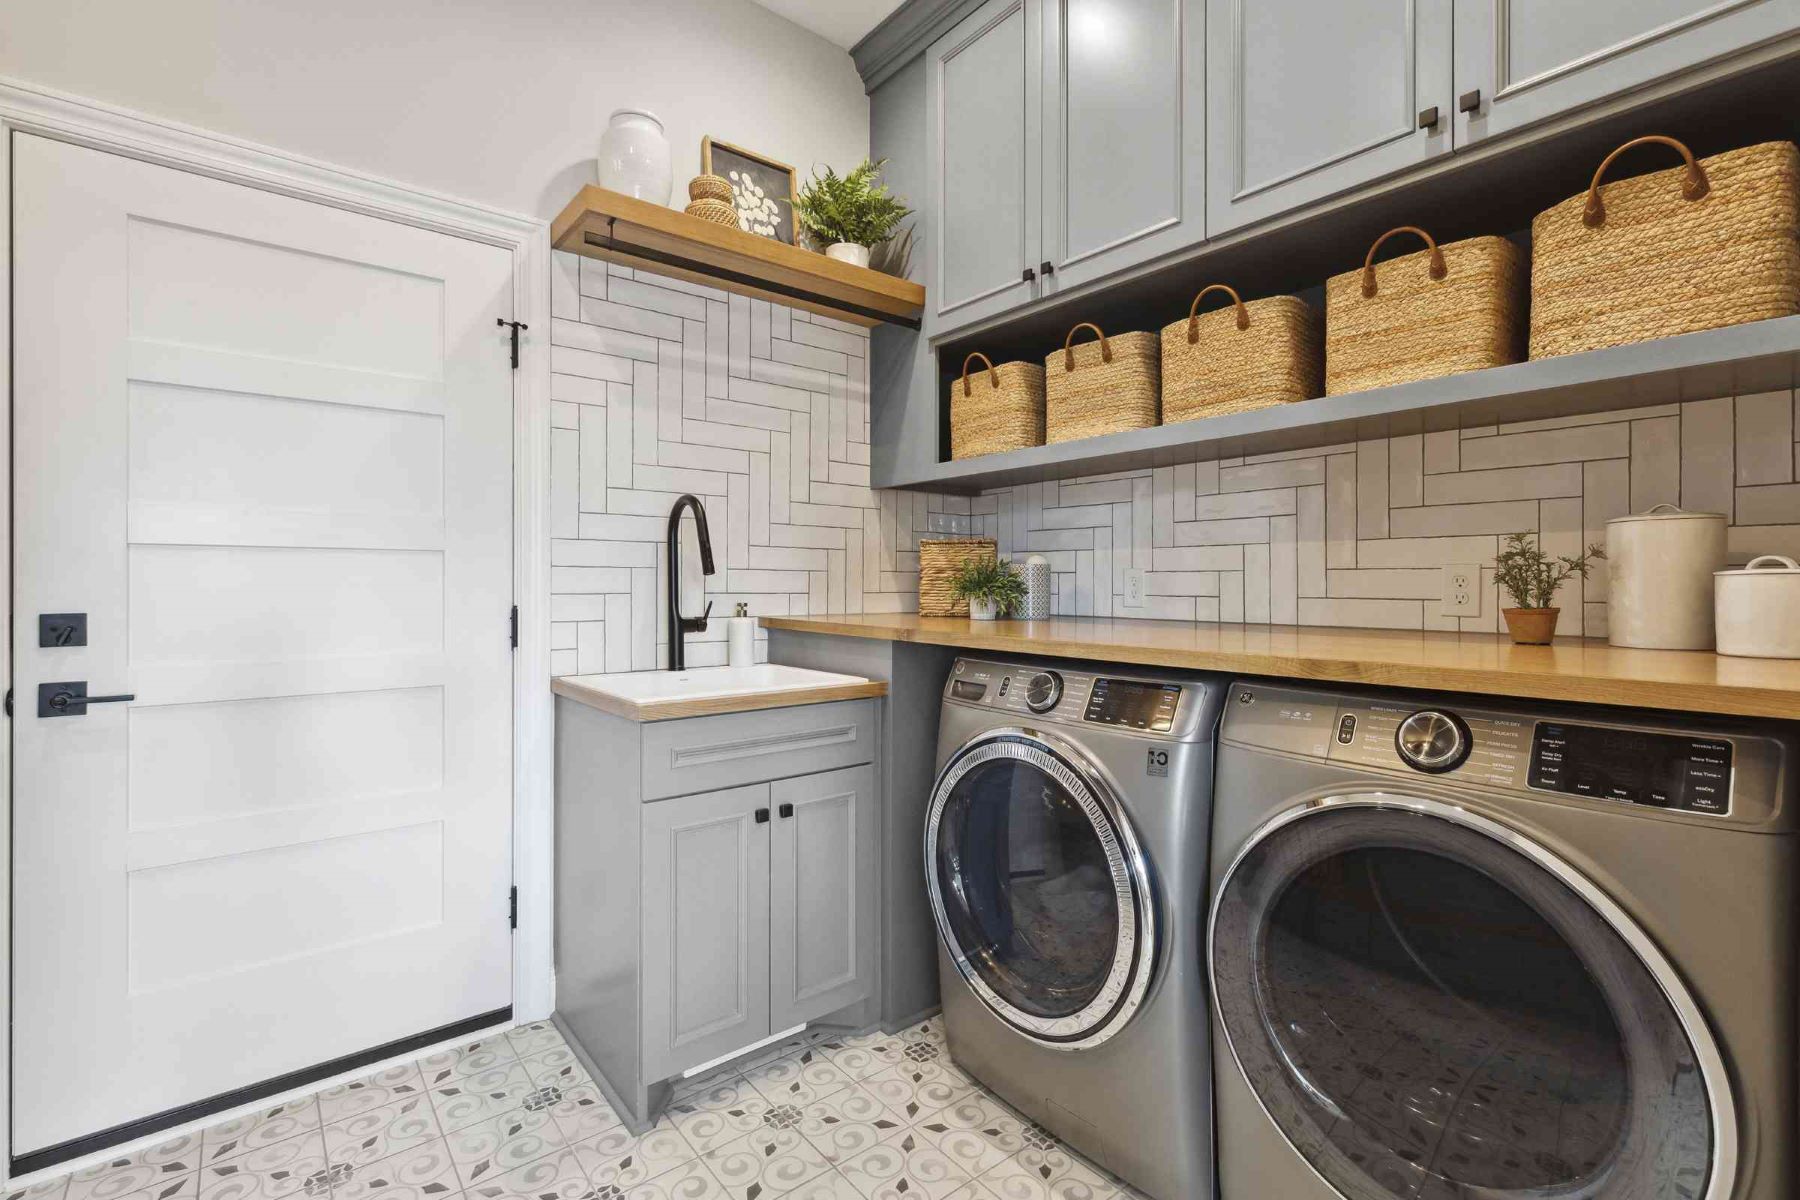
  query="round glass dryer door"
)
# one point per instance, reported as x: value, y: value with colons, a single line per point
x: 1431, y: 1007
x: 1039, y: 888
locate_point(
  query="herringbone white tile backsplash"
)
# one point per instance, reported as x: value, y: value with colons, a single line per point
x: 663, y: 386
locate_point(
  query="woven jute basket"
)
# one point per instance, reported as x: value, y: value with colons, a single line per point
x: 939, y: 559
x: 1445, y: 309
x: 709, y: 187
x: 1254, y: 355
x: 1712, y: 242
x: 1002, y: 408
x: 716, y: 211
x: 1100, y: 387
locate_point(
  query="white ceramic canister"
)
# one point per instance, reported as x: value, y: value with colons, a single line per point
x: 634, y: 156
x: 1659, y: 566
x: 1758, y: 608
x: 848, y: 252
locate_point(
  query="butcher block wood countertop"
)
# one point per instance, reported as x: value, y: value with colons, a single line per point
x: 1583, y: 670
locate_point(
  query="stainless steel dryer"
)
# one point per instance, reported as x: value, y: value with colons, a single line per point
x: 1505, y: 950
x: 1065, y: 854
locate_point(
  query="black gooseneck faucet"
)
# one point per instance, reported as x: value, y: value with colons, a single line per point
x: 678, y: 624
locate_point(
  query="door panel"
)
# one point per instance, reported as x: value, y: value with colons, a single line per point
x: 266, y: 446
x: 822, y: 894
x: 706, y: 927
x: 1306, y: 100
x: 985, y: 102
x: 1124, y: 133
x: 1536, y: 59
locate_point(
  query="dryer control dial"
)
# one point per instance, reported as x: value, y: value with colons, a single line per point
x: 1432, y: 741
x: 1043, y: 691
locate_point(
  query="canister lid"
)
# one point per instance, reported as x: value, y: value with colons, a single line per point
x: 1764, y: 564
x: 1668, y: 512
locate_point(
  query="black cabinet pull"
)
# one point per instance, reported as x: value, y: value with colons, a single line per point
x: 1428, y: 117
x: 1029, y: 275
x: 786, y: 810
x: 1469, y: 101
x: 1047, y: 269
x: 762, y: 816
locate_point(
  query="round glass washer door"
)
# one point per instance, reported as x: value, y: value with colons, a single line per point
x: 1039, y: 887
x: 1430, y: 1006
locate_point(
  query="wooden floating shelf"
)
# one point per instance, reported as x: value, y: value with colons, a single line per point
x: 618, y: 228
x: 1736, y: 360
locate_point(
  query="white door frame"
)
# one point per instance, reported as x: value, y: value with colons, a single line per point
x: 27, y: 108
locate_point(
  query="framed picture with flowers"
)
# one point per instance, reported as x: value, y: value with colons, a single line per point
x: 762, y: 190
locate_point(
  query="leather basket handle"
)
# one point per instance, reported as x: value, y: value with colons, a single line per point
x: 1693, y: 187
x: 993, y: 375
x: 1438, y: 270
x: 1243, y: 316
x: 1069, y: 345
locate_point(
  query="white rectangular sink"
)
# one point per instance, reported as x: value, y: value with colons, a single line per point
x: 659, y: 695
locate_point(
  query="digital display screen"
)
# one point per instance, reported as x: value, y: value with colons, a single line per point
x: 1148, y: 706
x: 1655, y: 769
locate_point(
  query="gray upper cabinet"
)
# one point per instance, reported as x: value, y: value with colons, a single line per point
x: 985, y: 97
x: 1306, y: 100
x: 1523, y: 61
x: 1124, y: 132
x: 822, y: 934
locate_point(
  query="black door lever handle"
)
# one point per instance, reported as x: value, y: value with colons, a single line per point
x: 71, y: 699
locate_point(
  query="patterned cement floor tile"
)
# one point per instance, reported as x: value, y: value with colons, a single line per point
x: 848, y: 1122
x: 906, y: 1168
x: 769, y: 1161
x: 380, y: 1133
x: 502, y: 1144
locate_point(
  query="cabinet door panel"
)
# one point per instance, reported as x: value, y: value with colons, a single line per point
x: 1537, y: 59
x: 985, y: 162
x: 822, y: 894
x: 1124, y: 132
x: 706, y: 927
x: 1306, y: 100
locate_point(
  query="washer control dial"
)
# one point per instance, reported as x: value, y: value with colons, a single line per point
x: 1432, y: 741
x: 1043, y: 691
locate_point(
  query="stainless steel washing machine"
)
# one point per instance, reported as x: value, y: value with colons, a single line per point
x: 1501, y: 950
x: 1066, y: 858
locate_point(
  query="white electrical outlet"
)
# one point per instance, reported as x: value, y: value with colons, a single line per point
x: 1134, y: 587
x: 1462, y: 591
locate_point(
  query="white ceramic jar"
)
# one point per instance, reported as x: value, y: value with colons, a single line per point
x: 1758, y: 608
x: 1659, y: 578
x: 848, y: 252
x: 634, y: 156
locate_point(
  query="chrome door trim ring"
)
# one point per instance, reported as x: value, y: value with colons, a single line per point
x: 1134, y: 957
x: 1693, y: 1023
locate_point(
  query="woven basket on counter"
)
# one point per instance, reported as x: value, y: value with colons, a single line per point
x: 1248, y: 356
x: 939, y: 560
x: 1101, y: 387
x: 1709, y: 243
x: 1002, y: 408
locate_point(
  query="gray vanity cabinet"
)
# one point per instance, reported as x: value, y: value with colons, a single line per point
x: 1306, y: 100
x: 1523, y: 61
x: 984, y: 101
x: 1124, y: 134
x: 822, y: 938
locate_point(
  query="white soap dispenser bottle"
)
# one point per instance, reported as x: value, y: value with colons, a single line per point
x: 740, y: 637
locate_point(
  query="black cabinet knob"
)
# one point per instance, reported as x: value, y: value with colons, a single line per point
x: 1469, y: 101
x: 1047, y: 269
x: 1428, y: 117
x: 762, y: 816
x: 786, y: 810
x: 1029, y: 275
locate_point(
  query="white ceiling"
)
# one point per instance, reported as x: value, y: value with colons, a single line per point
x: 843, y: 22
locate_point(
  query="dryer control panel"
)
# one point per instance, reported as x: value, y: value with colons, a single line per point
x: 1133, y: 703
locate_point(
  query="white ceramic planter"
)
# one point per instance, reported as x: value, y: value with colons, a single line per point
x: 634, y: 156
x: 850, y: 252
x: 983, y: 610
x: 1758, y: 608
x: 1659, y: 570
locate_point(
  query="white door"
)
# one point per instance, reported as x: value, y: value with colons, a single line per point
x: 265, y: 446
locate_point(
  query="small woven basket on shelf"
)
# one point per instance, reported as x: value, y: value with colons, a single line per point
x: 1002, y: 408
x: 1102, y: 387
x: 709, y: 187
x: 1709, y: 243
x: 716, y: 211
x: 1445, y: 309
x: 939, y: 560
x: 1248, y: 356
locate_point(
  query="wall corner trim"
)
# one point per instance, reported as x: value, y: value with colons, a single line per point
x: 904, y: 34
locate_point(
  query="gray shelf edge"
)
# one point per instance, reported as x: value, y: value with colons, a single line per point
x: 1735, y: 360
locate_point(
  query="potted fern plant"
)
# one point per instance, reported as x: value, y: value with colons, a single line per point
x: 849, y: 213
x: 992, y: 586
x: 1531, y: 578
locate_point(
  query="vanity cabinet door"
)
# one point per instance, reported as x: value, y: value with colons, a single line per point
x: 822, y: 892
x: 705, y: 927
x: 1524, y: 61
x: 1308, y: 100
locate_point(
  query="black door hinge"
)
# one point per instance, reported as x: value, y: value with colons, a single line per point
x: 512, y: 910
x: 9, y: 702
x: 515, y: 326
x: 513, y: 625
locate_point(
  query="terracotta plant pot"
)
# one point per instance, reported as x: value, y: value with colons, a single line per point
x: 1531, y: 626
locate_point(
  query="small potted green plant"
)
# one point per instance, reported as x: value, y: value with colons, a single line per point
x: 849, y: 213
x: 1531, y: 578
x: 991, y: 586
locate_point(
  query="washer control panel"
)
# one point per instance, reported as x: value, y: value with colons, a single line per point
x: 1157, y: 707
x: 1663, y: 770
